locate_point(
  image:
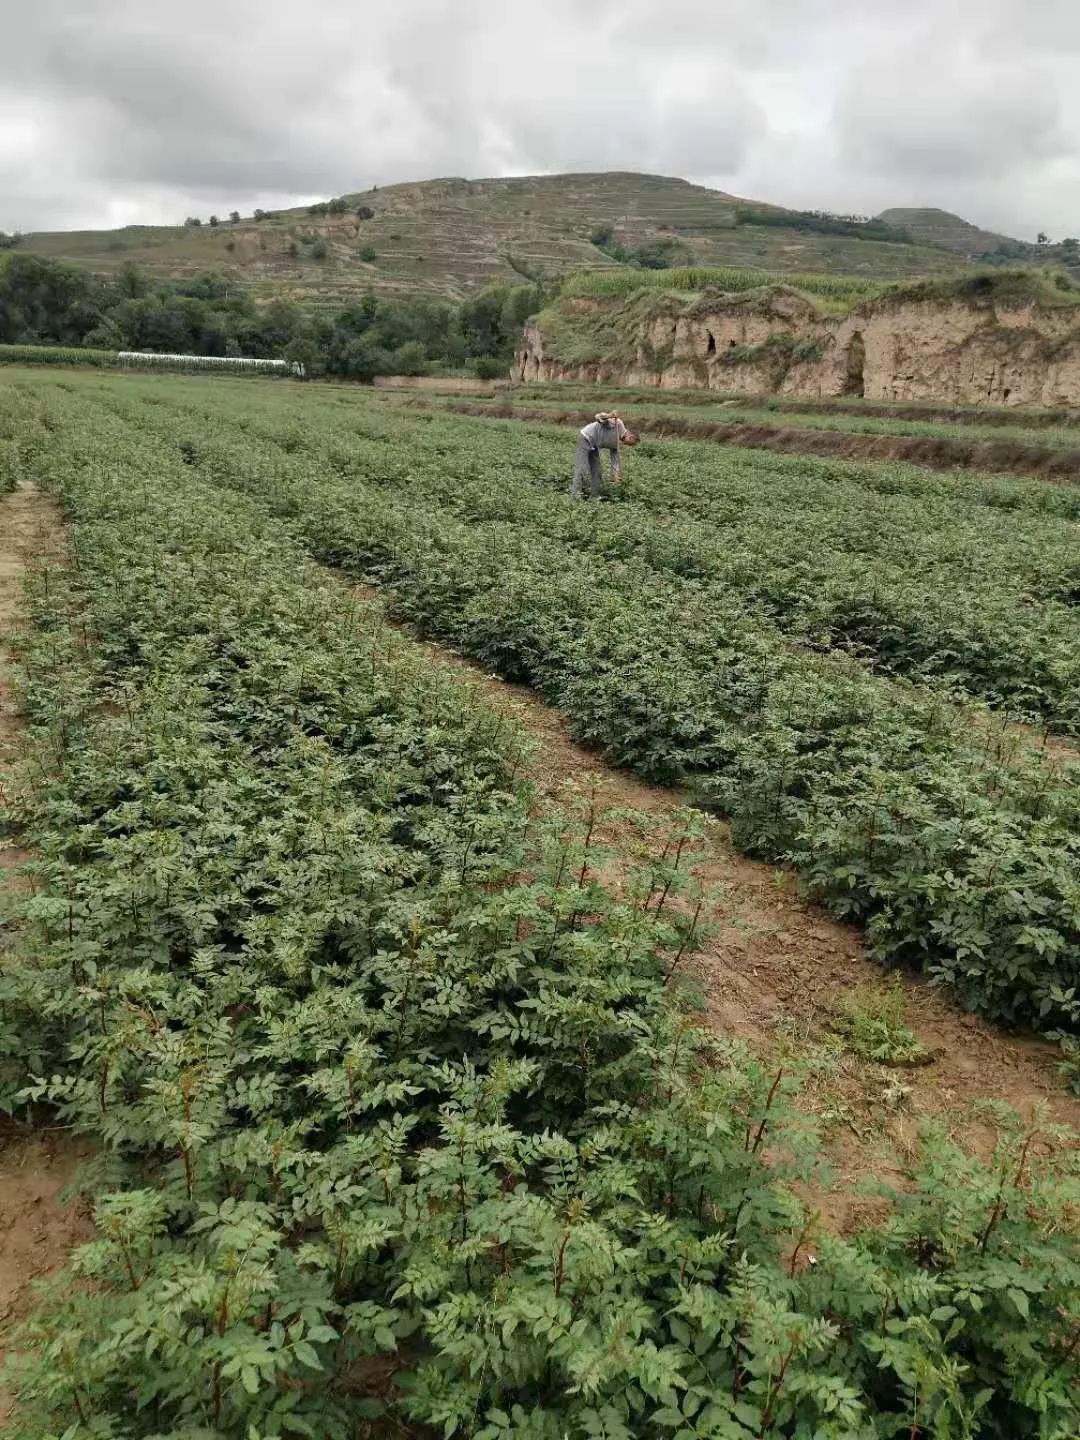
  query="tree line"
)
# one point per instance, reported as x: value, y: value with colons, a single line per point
x: 45, y: 302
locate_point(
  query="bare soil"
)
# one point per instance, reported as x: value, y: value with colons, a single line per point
x: 441, y: 384
x: 879, y: 410
x: 37, y: 1229
x: 775, y: 969
x: 995, y: 456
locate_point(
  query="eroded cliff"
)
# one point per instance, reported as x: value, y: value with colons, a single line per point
x: 983, y: 343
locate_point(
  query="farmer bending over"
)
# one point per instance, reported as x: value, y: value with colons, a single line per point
x: 606, y: 432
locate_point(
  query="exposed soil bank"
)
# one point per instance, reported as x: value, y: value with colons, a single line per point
x: 443, y: 384
x: 1005, y: 339
x: 986, y: 416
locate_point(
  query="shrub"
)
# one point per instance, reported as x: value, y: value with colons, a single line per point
x: 855, y: 227
x: 488, y: 367
x: 410, y: 359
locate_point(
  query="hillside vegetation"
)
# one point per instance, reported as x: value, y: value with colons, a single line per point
x: 1019, y: 284
x: 447, y: 237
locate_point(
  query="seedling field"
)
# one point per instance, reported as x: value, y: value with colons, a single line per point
x: 406, y: 1120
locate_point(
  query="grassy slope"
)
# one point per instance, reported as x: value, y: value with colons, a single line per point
x: 448, y: 236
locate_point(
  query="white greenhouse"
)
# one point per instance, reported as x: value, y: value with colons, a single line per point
x: 146, y: 358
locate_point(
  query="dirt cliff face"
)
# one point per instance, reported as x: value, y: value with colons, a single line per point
x: 960, y: 351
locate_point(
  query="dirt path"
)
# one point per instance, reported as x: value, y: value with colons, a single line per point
x: 776, y: 969
x: 36, y: 1229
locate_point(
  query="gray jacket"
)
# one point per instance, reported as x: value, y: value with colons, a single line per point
x: 601, y: 436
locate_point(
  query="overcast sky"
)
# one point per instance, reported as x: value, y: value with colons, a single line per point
x: 122, y: 111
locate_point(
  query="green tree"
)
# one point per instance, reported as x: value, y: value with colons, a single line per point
x: 131, y: 282
x: 43, y: 300
x: 480, y: 318
x: 303, y: 349
x: 410, y: 359
x: 520, y: 303
x: 488, y: 367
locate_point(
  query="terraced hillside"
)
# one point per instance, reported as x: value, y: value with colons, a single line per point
x: 448, y: 236
x: 939, y: 227
x: 928, y: 226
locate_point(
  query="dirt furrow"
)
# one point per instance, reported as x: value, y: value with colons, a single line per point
x: 776, y: 968
x: 36, y: 1229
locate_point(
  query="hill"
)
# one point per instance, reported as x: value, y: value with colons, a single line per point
x: 447, y: 237
x: 949, y: 232
x: 940, y: 228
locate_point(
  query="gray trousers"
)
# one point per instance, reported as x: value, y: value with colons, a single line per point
x: 587, y: 469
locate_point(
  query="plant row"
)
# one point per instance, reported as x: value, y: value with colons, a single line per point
x: 386, y: 1084
x: 946, y: 836
x: 926, y: 586
x: 645, y: 410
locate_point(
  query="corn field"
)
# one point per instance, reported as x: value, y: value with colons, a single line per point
x: 729, y: 279
x: 56, y: 355
x: 140, y: 360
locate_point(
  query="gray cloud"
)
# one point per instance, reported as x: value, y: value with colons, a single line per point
x: 117, y: 111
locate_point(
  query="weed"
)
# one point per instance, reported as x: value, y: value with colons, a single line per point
x: 872, y: 1021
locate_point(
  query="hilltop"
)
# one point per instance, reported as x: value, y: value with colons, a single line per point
x: 941, y: 228
x: 447, y: 237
